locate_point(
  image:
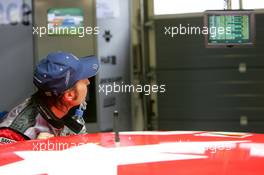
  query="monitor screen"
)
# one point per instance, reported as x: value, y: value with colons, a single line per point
x: 229, y: 28
x: 65, y: 21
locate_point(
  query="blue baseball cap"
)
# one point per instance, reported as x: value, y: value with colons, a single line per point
x: 59, y: 71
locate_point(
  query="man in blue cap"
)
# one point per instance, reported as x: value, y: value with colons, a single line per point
x: 62, y: 80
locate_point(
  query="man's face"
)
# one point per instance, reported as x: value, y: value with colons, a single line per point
x: 81, y: 91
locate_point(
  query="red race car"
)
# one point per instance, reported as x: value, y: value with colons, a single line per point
x: 140, y: 153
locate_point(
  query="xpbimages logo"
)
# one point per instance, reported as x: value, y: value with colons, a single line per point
x: 75, y: 31
x: 125, y: 88
x: 54, y: 146
x: 173, y: 31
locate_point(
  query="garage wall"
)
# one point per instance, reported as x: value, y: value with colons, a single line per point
x: 16, y: 55
x: 114, y: 52
x: 205, y: 88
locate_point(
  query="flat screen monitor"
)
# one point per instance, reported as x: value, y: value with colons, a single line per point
x: 229, y: 28
x: 65, y: 21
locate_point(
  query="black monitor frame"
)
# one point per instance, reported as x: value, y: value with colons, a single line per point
x: 252, y: 33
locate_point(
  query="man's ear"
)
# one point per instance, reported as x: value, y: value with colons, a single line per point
x: 69, y: 96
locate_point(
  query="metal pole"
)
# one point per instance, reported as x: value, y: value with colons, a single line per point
x: 116, y: 127
x: 240, y: 4
x: 144, y: 59
x: 228, y: 4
